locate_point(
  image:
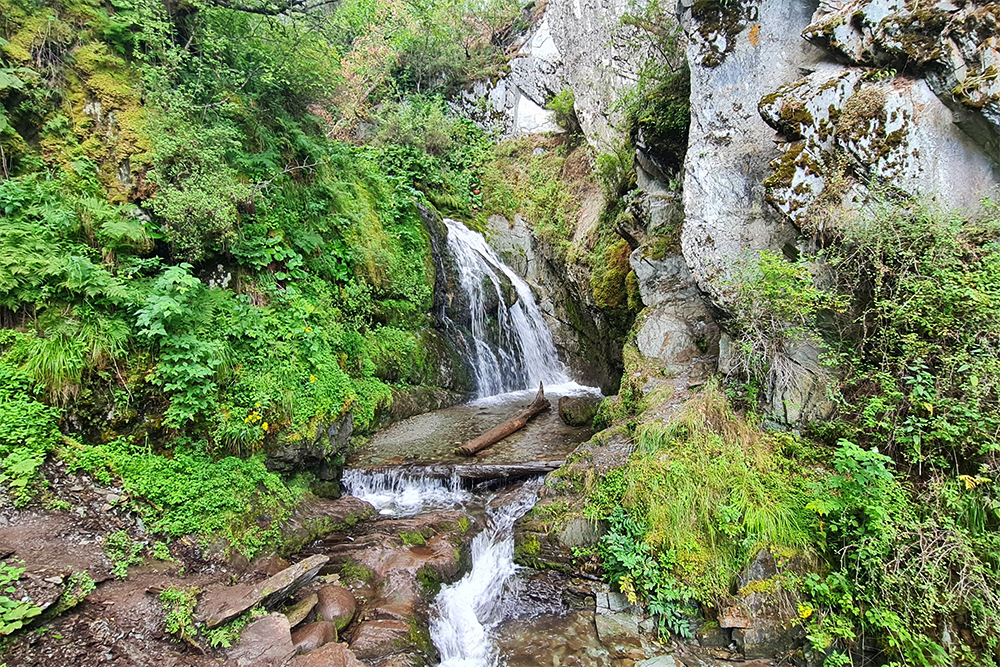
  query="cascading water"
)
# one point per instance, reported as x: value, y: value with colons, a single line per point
x: 520, y: 353
x: 464, y: 611
x: 395, y: 493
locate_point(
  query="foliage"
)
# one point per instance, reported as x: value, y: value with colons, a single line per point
x: 921, y: 355
x: 123, y: 552
x: 775, y: 306
x: 904, y: 565
x: 563, y: 104
x: 29, y: 433
x: 228, y: 634
x: 192, y: 493
x: 179, y: 604
x: 14, y: 614
x: 704, y: 493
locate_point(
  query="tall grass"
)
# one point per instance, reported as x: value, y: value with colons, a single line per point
x: 713, y: 489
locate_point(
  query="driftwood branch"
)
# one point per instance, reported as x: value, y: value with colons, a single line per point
x: 501, y: 431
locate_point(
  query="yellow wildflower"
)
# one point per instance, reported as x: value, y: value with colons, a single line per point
x: 264, y: 426
x: 312, y: 378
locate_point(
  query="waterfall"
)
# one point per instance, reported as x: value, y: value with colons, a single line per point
x: 464, y: 612
x: 400, y: 493
x: 519, y: 353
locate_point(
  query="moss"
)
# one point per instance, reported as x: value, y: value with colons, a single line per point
x: 785, y: 167
x: 864, y: 107
x: 352, y: 570
x: 411, y: 539
x: 528, y: 546
x: 429, y: 581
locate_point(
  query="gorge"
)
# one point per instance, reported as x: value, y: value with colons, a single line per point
x: 265, y: 264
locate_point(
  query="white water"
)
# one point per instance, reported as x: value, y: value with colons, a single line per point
x: 520, y: 354
x: 464, y: 612
x: 393, y: 493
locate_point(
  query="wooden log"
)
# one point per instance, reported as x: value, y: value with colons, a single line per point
x: 501, y: 431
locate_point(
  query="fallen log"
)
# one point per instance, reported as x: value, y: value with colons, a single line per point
x: 501, y: 431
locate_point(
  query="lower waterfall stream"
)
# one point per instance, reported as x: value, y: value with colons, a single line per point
x: 409, y: 470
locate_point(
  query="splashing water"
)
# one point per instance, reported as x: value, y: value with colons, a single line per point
x: 465, y: 612
x: 520, y: 354
x: 402, y: 493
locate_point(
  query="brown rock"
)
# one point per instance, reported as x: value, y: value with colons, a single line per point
x: 375, y: 639
x: 336, y: 604
x: 329, y: 655
x: 298, y: 613
x: 263, y: 643
x: 313, y: 635
x: 222, y: 604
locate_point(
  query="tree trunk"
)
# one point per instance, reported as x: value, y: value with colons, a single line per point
x: 501, y: 431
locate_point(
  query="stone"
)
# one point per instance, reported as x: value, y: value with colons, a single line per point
x: 336, y: 604
x: 730, y: 147
x: 895, y: 130
x: 328, y: 655
x: 301, y: 609
x: 953, y: 47
x: 222, y: 604
x: 376, y: 638
x: 313, y: 635
x: 578, y: 410
x: 763, y: 616
x: 323, y: 455
x: 658, y: 661
x: 266, y: 642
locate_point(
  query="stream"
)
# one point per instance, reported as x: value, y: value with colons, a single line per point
x: 496, y: 613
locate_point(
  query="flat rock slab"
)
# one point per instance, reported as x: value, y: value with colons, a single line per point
x: 223, y: 604
x: 301, y: 609
x: 264, y: 643
x: 330, y: 655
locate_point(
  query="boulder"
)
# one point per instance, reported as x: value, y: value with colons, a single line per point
x: 763, y: 616
x: 301, y: 609
x: 578, y: 410
x: 328, y: 655
x: 323, y: 456
x: 266, y: 642
x: 374, y: 639
x: 337, y: 605
x: 890, y: 130
x: 222, y: 604
x: 313, y: 635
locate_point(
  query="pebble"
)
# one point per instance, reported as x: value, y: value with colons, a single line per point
x: 105, y: 508
x: 54, y: 580
x: 112, y: 498
x: 3, y: 521
x: 76, y: 488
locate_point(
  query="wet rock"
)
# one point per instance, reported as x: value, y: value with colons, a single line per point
x: 323, y: 455
x: 266, y: 642
x: 578, y: 410
x: 658, y: 661
x: 380, y: 637
x: 318, y: 517
x: 328, y: 655
x: 336, y: 604
x: 222, y: 604
x: 270, y: 565
x: 301, y: 609
x: 313, y: 635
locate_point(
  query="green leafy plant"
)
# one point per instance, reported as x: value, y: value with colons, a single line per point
x: 179, y: 604
x: 123, y: 552
x: 14, y: 614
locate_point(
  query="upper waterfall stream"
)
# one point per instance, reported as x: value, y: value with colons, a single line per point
x: 519, y: 352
